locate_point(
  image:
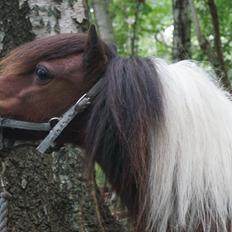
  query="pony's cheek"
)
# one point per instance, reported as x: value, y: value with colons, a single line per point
x: 8, y: 106
x: 16, y: 108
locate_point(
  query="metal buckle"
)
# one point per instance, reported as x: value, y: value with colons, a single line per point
x: 82, y: 103
x: 53, y: 121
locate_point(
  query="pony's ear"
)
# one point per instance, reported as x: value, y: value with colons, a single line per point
x: 92, y: 35
x: 94, y: 54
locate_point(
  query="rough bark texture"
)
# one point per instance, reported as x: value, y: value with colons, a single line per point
x: 49, y: 192
x: 23, y: 20
x: 182, y: 30
x: 103, y: 20
x: 15, y: 26
x: 50, y: 17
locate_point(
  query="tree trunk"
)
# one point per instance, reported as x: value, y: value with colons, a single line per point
x: 219, y: 61
x: 182, y: 30
x: 49, y: 192
x: 21, y: 21
x: 134, y: 36
x: 103, y: 20
x: 214, y: 54
x: 15, y: 26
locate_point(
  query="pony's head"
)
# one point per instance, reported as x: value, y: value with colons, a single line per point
x: 162, y: 133
x: 43, y: 78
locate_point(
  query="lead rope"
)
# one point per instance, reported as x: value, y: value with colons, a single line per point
x: 4, y: 197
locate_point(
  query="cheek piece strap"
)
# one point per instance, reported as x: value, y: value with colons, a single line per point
x: 62, y: 122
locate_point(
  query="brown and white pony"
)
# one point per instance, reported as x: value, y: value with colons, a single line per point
x: 161, y: 132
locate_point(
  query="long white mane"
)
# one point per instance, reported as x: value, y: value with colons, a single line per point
x: 191, y: 166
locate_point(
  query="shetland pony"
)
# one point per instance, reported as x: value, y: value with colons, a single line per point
x: 161, y: 132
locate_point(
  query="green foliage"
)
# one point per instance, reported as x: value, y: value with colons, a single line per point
x: 100, y: 176
x: 155, y: 25
x: 153, y: 18
x: 224, y: 8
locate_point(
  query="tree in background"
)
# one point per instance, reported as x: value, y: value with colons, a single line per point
x: 139, y: 26
x: 213, y: 51
x: 49, y: 192
x: 157, y: 20
x: 103, y: 20
x: 182, y: 30
x: 22, y: 21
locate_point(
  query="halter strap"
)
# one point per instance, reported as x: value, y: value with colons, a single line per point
x: 82, y: 103
x: 11, y: 123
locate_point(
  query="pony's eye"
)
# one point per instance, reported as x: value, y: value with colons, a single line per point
x: 42, y: 73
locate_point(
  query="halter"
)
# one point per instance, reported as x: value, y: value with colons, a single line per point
x: 62, y: 122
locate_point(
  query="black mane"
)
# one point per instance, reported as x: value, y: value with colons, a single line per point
x: 118, y: 134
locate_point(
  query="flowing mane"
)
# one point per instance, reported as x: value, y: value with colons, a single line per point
x: 118, y: 135
x: 164, y: 132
